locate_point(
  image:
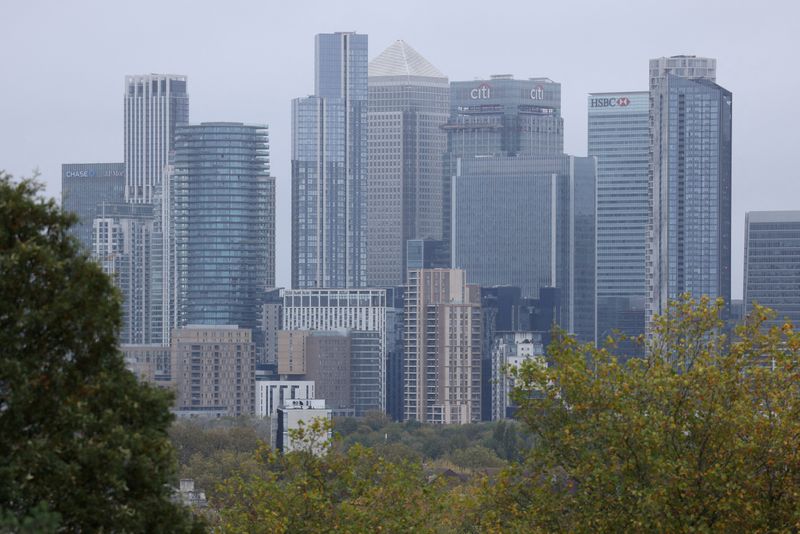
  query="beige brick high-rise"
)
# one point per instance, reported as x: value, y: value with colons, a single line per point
x: 214, y: 370
x: 442, y: 363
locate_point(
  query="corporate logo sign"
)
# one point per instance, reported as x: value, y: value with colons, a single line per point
x: 618, y: 102
x: 484, y: 92
x: 91, y: 173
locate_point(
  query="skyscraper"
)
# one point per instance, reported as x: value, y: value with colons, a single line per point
x: 772, y: 263
x: 408, y: 103
x: 329, y: 168
x: 84, y: 186
x: 122, y: 243
x: 223, y: 223
x: 689, y: 233
x: 154, y: 105
x: 522, y: 213
x: 619, y: 138
x: 442, y: 364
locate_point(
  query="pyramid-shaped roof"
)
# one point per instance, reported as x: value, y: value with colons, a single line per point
x: 402, y: 60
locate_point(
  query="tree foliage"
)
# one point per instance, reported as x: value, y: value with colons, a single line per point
x: 77, y: 432
x: 354, y: 490
x: 699, y: 436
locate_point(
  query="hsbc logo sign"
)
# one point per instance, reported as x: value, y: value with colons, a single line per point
x: 620, y: 102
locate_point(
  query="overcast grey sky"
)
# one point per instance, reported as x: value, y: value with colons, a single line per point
x: 63, y: 66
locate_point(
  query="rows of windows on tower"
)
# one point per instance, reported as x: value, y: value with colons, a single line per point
x: 438, y: 233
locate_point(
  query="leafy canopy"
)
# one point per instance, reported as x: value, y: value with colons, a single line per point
x: 79, y: 436
x: 700, y: 435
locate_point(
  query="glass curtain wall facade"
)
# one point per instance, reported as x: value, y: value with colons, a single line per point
x: 84, y: 186
x: 223, y: 223
x: 409, y: 101
x: 329, y: 168
x: 772, y: 264
x: 619, y: 137
x: 155, y: 104
x: 689, y: 244
x: 521, y: 212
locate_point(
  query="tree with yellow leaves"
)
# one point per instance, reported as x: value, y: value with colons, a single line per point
x: 700, y: 435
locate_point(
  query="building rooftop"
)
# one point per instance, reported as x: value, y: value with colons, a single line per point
x: 402, y: 60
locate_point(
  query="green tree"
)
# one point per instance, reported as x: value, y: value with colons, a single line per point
x: 699, y: 436
x: 77, y: 432
x: 356, y: 490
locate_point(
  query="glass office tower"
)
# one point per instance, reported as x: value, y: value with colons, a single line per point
x: 689, y: 241
x: 155, y: 104
x: 409, y: 102
x: 772, y: 263
x: 85, y: 186
x: 620, y: 140
x: 522, y: 213
x: 223, y: 223
x: 329, y: 168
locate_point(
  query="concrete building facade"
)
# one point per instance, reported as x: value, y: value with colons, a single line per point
x: 409, y: 101
x: 214, y: 370
x: 442, y: 364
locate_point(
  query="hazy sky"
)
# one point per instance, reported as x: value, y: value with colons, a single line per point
x: 62, y: 68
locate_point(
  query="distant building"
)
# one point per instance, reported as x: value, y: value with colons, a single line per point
x: 329, y: 167
x: 223, y: 223
x: 394, y: 352
x: 520, y: 211
x: 427, y: 254
x: 689, y: 236
x: 84, y: 187
x: 187, y: 495
x: 122, y: 243
x: 324, y: 357
x: 442, y: 348
x: 294, y: 415
x: 772, y: 264
x: 511, y: 350
x: 214, y: 371
x: 408, y: 103
x: 619, y: 137
x: 155, y: 104
x: 274, y: 394
x: 354, y: 310
x: 150, y: 363
x: 269, y: 323
x: 529, y: 223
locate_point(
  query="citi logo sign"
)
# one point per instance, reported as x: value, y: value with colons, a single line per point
x: 483, y: 91
x: 537, y: 93
x: 620, y: 102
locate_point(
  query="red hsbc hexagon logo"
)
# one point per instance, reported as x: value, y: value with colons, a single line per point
x: 623, y: 101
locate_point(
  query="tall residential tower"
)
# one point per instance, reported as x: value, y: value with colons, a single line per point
x: 329, y: 168
x: 223, y: 223
x: 689, y: 233
x: 154, y: 105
